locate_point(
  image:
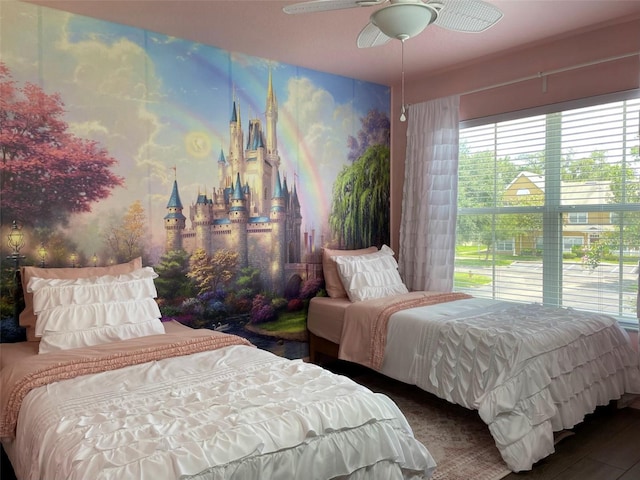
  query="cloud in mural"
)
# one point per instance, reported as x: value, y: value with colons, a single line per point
x: 322, y: 138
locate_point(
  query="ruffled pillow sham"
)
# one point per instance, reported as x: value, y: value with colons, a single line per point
x: 373, y: 275
x: 28, y: 317
x: 73, y: 313
x: 332, y: 281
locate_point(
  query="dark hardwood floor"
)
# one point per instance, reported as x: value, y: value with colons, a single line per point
x: 606, y: 446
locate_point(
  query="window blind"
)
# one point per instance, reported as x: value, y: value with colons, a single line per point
x: 549, y: 207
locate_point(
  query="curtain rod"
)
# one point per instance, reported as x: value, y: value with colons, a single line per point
x: 543, y: 75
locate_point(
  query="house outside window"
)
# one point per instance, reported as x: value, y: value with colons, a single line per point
x: 561, y: 186
x: 578, y: 217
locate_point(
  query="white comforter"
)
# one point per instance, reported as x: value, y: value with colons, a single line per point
x: 233, y: 413
x: 529, y: 370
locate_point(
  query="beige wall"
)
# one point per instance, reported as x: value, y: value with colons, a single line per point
x: 570, y: 50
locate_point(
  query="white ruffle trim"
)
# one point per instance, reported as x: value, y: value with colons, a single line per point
x: 530, y: 370
x: 51, y: 292
x: 65, y: 340
x: 132, y: 289
x: 85, y: 317
x: 36, y: 283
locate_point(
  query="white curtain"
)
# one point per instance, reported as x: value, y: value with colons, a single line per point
x: 429, y: 200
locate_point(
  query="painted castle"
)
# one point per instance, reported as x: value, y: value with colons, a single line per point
x: 253, y: 212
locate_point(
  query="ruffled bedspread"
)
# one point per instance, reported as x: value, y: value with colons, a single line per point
x: 232, y: 413
x: 529, y: 370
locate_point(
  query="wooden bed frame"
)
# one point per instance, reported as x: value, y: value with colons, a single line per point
x: 321, y: 349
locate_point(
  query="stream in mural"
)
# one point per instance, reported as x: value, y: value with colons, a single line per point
x: 285, y: 347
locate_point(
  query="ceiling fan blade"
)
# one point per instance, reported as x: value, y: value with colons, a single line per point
x: 326, y: 5
x: 465, y: 15
x: 371, y: 36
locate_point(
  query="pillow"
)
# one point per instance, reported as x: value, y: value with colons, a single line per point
x: 374, y: 275
x: 27, y: 316
x: 49, y: 292
x: 73, y: 313
x: 332, y: 281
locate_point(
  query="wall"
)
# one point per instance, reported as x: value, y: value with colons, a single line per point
x: 158, y: 146
x: 570, y: 50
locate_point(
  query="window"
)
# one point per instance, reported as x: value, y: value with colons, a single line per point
x: 505, y: 245
x: 578, y: 217
x: 568, y: 243
x: 549, y: 205
x: 614, y: 218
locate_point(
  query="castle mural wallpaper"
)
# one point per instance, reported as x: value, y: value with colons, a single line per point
x: 226, y: 173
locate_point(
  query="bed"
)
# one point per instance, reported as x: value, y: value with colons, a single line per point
x: 528, y: 369
x: 86, y: 398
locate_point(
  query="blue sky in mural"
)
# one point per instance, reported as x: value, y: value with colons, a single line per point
x: 157, y: 102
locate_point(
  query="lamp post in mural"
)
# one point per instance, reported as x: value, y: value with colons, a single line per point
x: 42, y: 253
x: 73, y: 257
x: 15, y: 241
x: 94, y: 259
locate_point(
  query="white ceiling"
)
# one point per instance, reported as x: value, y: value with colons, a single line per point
x: 326, y: 41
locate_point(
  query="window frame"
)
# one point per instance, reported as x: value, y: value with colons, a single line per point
x: 552, y: 211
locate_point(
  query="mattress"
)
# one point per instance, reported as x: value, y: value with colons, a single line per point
x: 326, y: 316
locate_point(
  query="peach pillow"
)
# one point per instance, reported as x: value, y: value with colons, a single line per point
x: 332, y: 281
x: 28, y: 317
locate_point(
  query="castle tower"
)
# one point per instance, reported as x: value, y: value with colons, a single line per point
x: 294, y: 238
x: 222, y: 168
x: 236, y: 144
x: 255, y: 170
x: 272, y: 121
x: 201, y: 217
x: 278, y: 219
x: 174, y: 220
x: 239, y: 218
x: 272, y: 156
x: 219, y: 205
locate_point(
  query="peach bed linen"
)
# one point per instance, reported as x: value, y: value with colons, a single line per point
x: 364, y: 332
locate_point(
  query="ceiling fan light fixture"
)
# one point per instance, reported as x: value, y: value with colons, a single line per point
x: 403, y: 20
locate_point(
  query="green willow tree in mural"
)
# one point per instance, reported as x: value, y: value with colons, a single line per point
x: 360, y: 208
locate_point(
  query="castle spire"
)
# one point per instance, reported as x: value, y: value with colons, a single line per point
x: 174, y: 220
x: 174, y: 199
x: 271, y: 123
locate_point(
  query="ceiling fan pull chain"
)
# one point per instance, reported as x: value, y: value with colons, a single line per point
x: 403, y: 117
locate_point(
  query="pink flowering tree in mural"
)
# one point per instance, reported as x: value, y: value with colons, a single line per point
x: 46, y: 173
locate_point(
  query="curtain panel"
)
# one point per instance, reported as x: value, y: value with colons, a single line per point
x: 429, y: 200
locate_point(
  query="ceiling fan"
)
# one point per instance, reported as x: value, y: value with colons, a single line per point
x: 404, y: 19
